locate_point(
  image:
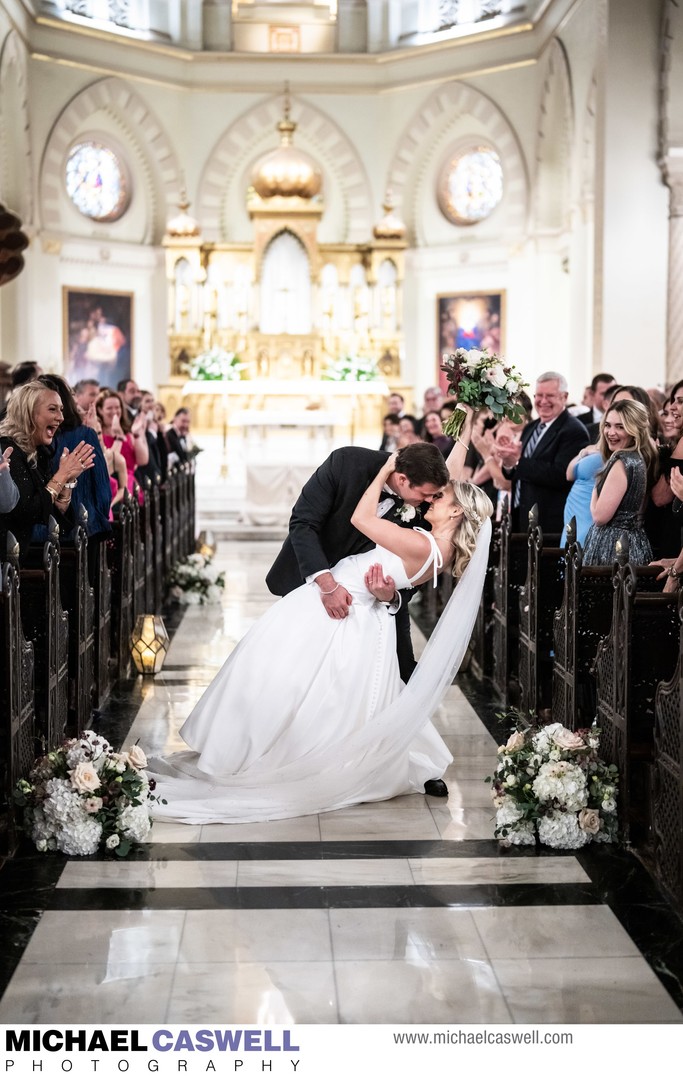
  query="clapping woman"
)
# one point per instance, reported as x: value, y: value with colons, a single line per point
x: 129, y: 440
x: 34, y: 414
x: 92, y: 489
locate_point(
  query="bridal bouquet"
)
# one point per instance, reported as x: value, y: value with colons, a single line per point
x: 84, y: 796
x: 482, y: 380
x: 195, y: 581
x: 551, y: 786
x: 216, y: 365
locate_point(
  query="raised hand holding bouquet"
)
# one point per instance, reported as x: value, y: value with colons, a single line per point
x: 482, y: 379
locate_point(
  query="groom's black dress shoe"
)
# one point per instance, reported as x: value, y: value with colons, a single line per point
x: 436, y: 787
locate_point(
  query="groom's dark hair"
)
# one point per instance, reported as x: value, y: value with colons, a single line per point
x: 422, y: 464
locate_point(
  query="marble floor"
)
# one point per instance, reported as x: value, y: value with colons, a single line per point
x: 404, y: 911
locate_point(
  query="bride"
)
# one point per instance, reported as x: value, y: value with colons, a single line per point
x: 309, y: 714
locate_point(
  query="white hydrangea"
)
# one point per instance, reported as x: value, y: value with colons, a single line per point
x: 134, y: 822
x: 560, y: 829
x: 190, y: 597
x: 213, y: 594
x: 542, y: 740
x: 563, y: 782
x: 523, y: 834
x: 81, y: 838
x: 63, y: 803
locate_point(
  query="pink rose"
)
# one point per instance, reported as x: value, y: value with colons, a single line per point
x: 137, y: 757
x: 515, y: 742
x: 589, y: 820
x: 84, y: 777
x: 567, y: 740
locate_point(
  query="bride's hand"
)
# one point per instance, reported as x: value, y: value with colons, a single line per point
x: 390, y: 466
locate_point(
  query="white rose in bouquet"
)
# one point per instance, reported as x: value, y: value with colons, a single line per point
x: 497, y: 376
x: 474, y: 356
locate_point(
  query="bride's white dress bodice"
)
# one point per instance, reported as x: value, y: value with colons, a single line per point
x: 350, y: 571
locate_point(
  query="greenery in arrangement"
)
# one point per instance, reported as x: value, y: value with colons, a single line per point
x: 195, y: 581
x: 83, y: 797
x: 351, y: 368
x: 551, y: 787
x: 216, y: 364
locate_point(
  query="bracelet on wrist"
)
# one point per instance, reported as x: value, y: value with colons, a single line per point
x: 673, y: 574
x: 53, y: 492
x: 330, y: 591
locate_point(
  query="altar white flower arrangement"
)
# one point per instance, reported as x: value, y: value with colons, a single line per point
x: 196, y: 581
x: 551, y: 786
x: 351, y: 368
x: 216, y: 364
x: 84, y: 797
x: 482, y: 379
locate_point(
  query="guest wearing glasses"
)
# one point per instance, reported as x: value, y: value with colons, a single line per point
x: 536, y: 462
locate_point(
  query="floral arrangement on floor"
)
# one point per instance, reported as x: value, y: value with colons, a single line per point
x: 216, y: 364
x: 550, y: 786
x: 84, y: 796
x: 351, y: 368
x: 195, y: 581
x: 482, y: 379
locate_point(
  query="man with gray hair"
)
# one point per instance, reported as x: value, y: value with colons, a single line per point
x: 537, y: 462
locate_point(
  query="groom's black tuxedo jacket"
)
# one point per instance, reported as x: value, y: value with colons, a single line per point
x: 320, y: 530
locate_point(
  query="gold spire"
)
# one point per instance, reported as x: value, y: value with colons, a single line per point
x: 183, y: 226
x: 286, y: 172
x: 390, y: 226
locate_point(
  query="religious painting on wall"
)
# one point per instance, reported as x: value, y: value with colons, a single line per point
x: 469, y: 319
x: 97, y: 335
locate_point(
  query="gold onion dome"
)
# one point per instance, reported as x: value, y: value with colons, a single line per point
x: 390, y: 226
x: 183, y: 226
x: 286, y: 171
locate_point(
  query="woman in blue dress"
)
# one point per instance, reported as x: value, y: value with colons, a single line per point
x: 581, y: 472
x: 620, y: 494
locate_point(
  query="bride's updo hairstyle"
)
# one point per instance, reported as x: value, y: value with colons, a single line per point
x: 476, y: 508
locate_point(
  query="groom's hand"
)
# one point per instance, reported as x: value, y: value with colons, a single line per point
x: 335, y: 597
x: 380, y: 586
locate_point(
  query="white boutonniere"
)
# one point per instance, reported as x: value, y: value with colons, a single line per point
x: 407, y: 512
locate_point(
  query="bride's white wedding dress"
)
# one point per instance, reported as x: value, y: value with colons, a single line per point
x: 309, y: 714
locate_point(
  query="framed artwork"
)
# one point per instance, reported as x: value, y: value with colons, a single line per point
x: 469, y: 319
x: 97, y: 335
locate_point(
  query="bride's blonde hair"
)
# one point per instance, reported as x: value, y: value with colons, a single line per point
x: 476, y: 508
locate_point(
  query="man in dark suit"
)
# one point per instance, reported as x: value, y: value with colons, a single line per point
x: 537, y: 464
x: 130, y: 395
x: 178, y: 440
x: 320, y: 530
x: 592, y: 418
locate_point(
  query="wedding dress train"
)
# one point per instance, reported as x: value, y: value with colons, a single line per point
x: 308, y: 714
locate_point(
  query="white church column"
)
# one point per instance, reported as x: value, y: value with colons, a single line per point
x: 631, y: 212
x: 218, y: 25
x: 674, y: 319
x: 352, y: 26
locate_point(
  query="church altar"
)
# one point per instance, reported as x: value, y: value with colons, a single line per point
x: 306, y: 403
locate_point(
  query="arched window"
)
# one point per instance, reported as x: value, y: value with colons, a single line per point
x: 285, y: 287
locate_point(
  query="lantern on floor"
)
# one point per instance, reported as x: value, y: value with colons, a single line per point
x: 206, y: 544
x: 149, y: 644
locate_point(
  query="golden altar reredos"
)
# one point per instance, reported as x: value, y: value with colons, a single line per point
x: 286, y: 303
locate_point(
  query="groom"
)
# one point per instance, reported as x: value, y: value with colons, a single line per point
x: 320, y: 531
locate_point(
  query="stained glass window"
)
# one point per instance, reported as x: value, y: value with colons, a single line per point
x: 471, y: 185
x: 96, y: 181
